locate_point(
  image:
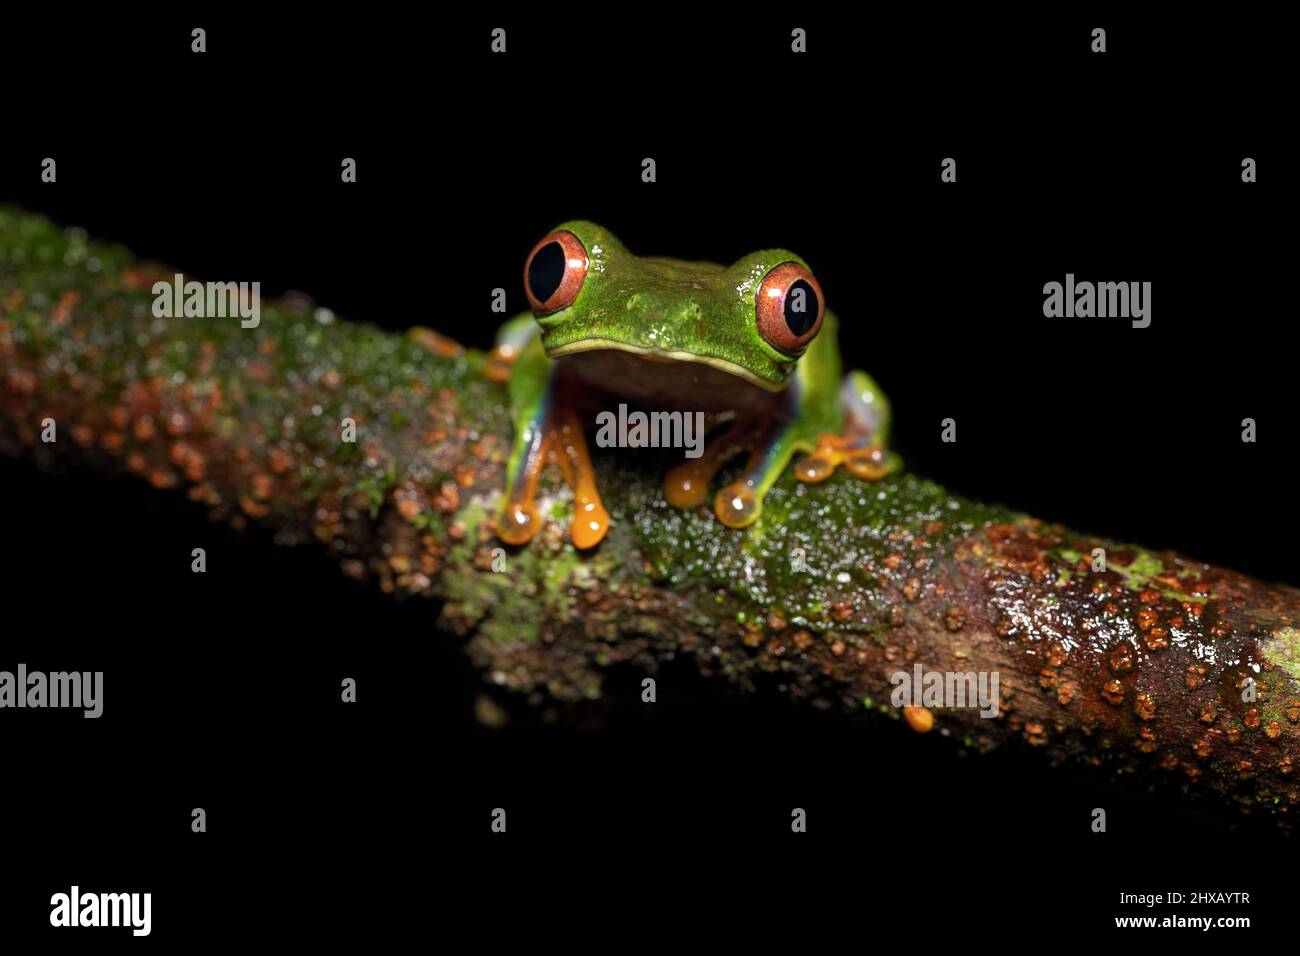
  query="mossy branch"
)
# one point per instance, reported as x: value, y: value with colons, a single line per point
x: 1145, y: 666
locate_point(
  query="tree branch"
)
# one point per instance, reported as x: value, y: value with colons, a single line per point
x: 1141, y: 667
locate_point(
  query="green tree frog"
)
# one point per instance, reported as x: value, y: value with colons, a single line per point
x: 751, y: 344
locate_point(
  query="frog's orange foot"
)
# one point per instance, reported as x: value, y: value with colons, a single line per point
x: 500, y: 361
x: 866, y: 461
x: 561, y: 444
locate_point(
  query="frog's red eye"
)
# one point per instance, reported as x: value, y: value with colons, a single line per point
x: 789, y: 308
x: 554, y: 272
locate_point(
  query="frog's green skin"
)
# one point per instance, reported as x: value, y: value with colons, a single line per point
x: 663, y: 334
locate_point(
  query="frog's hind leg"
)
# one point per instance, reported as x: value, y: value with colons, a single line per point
x: 860, y: 447
x: 548, y: 432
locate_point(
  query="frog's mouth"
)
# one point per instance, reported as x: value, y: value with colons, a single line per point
x: 667, y: 357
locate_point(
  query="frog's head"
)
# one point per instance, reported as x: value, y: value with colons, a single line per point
x: 752, y: 319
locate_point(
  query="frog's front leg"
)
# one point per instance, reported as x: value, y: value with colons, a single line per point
x: 548, y: 431
x: 860, y: 445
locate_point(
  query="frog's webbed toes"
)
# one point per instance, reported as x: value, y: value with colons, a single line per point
x: 861, y: 458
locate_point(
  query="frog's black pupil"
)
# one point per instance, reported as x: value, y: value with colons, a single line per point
x: 800, y: 308
x: 546, y: 271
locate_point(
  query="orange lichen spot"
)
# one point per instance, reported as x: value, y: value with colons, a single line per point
x: 447, y: 498
x: 912, y: 588
x: 1066, y: 691
x: 837, y: 647
x: 177, y: 423
x: 1035, y: 734
x: 919, y: 719
x: 263, y: 485
x: 1209, y: 713
x: 1157, y: 639
x: 1113, y: 692
x: 893, y: 561
x: 776, y: 621
x: 955, y: 619
x: 1195, y: 676
x: 252, y: 508
x: 1149, y: 596
x: 802, y: 639
x: 1056, y: 654
x: 1203, y: 748
x: 1146, y: 617
x: 1047, y: 678
x: 1146, y: 740
x: 1251, y: 717
x: 1293, y: 709
x: 1144, y: 706
x: 1121, y: 658
x: 1273, y: 730
x: 63, y: 310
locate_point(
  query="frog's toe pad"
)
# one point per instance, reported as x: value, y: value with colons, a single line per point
x: 518, y: 522
x: 737, y: 506
x: 590, y: 522
x: 687, y: 485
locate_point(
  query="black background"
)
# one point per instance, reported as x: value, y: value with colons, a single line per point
x: 328, y: 821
